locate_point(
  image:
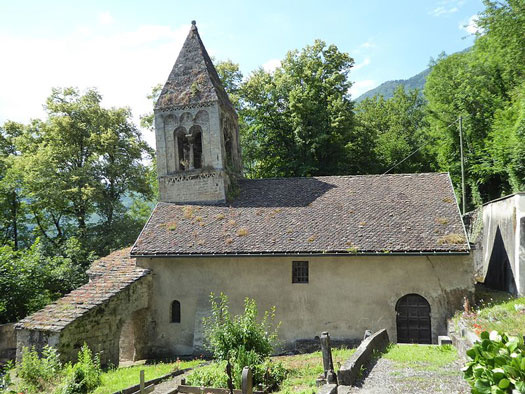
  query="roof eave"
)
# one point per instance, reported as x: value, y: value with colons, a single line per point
x: 303, y: 254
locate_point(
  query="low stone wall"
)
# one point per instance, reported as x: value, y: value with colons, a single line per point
x: 99, y: 327
x: 350, y: 370
x: 7, y: 342
x: 462, y: 337
x: 312, y: 345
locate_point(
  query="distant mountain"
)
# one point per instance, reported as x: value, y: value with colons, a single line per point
x: 387, y: 88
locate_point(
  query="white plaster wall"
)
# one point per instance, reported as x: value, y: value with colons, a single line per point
x: 345, y: 295
x: 506, y: 214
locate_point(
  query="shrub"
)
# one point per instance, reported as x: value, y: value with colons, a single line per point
x: 38, y: 372
x: 242, y: 341
x: 226, y: 334
x: 84, y: 376
x: 497, y: 364
x: 213, y: 375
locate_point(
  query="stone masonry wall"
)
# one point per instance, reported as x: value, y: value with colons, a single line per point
x: 7, y: 342
x: 99, y: 328
x: 193, y: 187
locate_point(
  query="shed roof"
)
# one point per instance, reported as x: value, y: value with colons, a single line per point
x: 400, y: 213
x: 193, y: 79
x: 109, y: 275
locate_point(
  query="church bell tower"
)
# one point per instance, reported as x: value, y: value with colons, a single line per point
x: 196, y: 130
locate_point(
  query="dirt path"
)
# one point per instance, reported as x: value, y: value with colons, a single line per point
x: 168, y: 386
x: 390, y: 377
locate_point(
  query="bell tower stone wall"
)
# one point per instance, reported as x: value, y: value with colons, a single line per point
x: 196, y: 131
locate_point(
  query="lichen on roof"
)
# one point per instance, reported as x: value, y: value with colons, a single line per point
x: 193, y: 79
x: 398, y: 213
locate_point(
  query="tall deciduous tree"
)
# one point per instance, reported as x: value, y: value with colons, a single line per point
x: 78, y: 166
x: 396, y: 129
x: 300, y: 117
x: 13, y: 220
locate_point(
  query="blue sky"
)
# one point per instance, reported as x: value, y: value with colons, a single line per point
x: 125, y: 47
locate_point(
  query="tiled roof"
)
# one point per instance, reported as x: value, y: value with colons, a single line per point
x: 333, y: 214
x: 109, y: 275
x: 193, y: 79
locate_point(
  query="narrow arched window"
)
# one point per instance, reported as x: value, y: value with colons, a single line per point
x: 197, y: 151
x: 175, y: 312
x: 183, y: 152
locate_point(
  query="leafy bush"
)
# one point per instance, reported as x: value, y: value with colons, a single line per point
x: 5, y: 376
x: 497, y: 364
x: 45, y: 373
x: 213, y: 375
x: 84, y: 376
x: 226, y: 334
x: 37, y: 372
x: 243, y: 342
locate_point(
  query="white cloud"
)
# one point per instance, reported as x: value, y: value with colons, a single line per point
x: 123, y: 66
x: 105, y: 18
x: 447, y: 7
x: 470, y: 26
x: 368, y: 44
x: 360, y: 87
x: 439, y: 11
x: 271, y: 65
x: 364, y: 63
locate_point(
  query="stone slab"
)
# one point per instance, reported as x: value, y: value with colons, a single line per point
x: 350, y: 370
x: 328, y: 389
x: 444, y: 340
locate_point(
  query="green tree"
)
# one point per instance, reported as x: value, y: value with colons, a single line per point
x: 78, y: 166
x: 31, y: 278
x: 13, y: 218
x: 300, y: 117
x: 462, y: 85
x: 397, y: 127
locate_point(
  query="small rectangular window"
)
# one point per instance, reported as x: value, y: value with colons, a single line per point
x: 300, y: 272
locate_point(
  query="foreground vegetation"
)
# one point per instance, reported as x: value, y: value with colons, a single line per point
x: 494, y: 311
x: 496, y: 364
x: 46, y: 374
x: 238, y: 341
x: 120, y: 378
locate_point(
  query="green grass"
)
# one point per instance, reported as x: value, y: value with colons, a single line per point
x: 305, y: 368
x: 121, y: 378
x: 495, y: 310
x: 426, y: 357
x: 507, y: 316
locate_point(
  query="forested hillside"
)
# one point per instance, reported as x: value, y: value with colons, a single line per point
x: 387, y: 89
x: 64, y: 179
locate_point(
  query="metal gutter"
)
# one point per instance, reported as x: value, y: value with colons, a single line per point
x: 305, y: 254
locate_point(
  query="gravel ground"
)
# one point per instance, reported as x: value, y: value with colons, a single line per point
x: 387, y: 376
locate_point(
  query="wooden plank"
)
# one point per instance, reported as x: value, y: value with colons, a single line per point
x: 133, y: 389
x: 145, y: 390
x: 208, y: 390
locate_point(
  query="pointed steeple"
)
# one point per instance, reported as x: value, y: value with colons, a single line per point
x: 193, y: 79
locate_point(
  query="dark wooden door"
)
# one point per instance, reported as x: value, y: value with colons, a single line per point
x: 413, y: 319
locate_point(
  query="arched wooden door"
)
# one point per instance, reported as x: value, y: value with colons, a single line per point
x: 413, y: 319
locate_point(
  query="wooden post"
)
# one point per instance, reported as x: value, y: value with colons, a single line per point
x: 141, y: 381
x: 230, y: 378
x: 247, y: 382
x: 328, y: 364
x: 463, y: 198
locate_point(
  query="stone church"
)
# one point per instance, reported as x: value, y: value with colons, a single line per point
x: 333, y: 253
